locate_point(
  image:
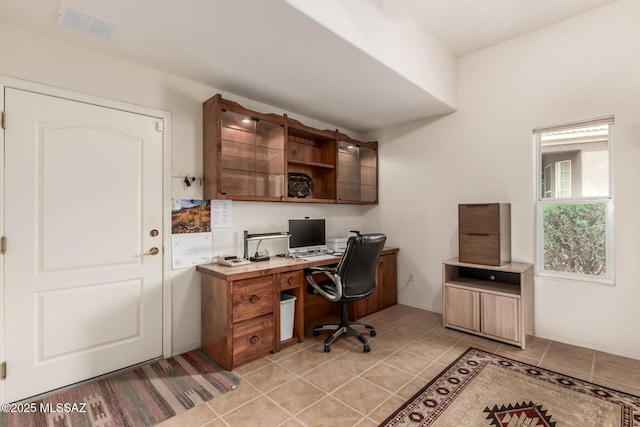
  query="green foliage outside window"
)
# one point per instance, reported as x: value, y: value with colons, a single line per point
x: 575, y: 238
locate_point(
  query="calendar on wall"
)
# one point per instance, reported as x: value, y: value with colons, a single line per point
x: 191, y: 238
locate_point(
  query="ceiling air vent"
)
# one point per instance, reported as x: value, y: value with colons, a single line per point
x: 86, y: 22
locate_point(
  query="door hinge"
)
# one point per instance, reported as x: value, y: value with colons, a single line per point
x: 3, y: 370
x: 3, y: 245
x: 4, y: 120
x: 160, y: 125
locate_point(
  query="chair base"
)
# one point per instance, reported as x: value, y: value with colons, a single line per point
x: 344, y: 328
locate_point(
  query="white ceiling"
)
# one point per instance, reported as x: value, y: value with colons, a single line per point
x: 268, y: 51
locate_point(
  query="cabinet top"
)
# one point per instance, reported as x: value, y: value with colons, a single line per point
x: 512, y: 267
x: 274, y: 265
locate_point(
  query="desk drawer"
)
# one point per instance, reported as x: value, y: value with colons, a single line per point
x: 252, y: 339
x: 252, y: 298
x: 291, y: 280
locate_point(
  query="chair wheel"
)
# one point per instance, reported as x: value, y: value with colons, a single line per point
x: 372, y: 333
x: 367, y: 349
x: 327, y: 349
x: 316, y: 333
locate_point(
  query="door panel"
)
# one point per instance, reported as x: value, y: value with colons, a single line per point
x: 71, y: 186
x: 462, y: 308
x: 83, y: 189
x: 500, y: 316
x: 60, y: 332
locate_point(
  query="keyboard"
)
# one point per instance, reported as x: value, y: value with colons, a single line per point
x: 320, y: 257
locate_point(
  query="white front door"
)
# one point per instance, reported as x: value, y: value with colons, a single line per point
x: 83, y: 204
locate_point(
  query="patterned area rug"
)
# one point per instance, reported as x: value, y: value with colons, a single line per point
x: 139, y: 397
x: 484, y: 389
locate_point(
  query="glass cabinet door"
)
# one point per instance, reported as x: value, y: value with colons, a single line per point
x: 357, y: 173
x: 252, y: 156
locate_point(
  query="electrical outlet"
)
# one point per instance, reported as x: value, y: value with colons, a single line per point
x: 412, y: 276
x: 218, y: 237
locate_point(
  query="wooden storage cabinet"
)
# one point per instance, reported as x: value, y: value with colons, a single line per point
x: 249, y: 155
x: 241, y: 317
x: 357, y: 172
x: 496, y: 303
x: 237, y: 319
x: 386, y: 292
x: 243, y: 152
x: 484, y: 233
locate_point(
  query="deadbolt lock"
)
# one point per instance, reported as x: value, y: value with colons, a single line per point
x: 154, y: 232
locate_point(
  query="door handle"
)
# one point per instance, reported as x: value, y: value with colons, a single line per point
x: 152, y: 251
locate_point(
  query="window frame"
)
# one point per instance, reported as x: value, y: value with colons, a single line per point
x: 541, y: 202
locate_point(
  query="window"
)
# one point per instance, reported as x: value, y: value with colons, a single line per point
x: 563, y: 181
x: 574, y: 218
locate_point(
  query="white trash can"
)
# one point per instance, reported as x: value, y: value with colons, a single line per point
x: 287, y: 314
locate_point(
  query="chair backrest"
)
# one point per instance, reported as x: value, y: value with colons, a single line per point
x: 357, y: 269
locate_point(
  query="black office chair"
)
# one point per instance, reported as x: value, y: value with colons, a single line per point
x: 354, y: 278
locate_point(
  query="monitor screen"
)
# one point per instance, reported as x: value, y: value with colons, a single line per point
x: 306, y: 233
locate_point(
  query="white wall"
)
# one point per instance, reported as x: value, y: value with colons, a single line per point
x: 581, y: 68
x: 29, y: 56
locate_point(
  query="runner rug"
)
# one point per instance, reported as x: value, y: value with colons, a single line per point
x: 143, y: 396
x: 484, y: 389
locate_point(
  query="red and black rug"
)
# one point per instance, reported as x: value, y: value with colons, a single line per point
x: 485, y: 389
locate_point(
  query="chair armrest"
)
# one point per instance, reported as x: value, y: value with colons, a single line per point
x: 329, y: 273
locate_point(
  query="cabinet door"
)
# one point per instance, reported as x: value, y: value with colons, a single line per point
x: 357, y: 173
x: 386, y: 292
x: 252, y: 156
x: 479, y: 218
x: 388, y: 279
x: 462, y: 308
x: 500, y: 317
x: 479, y: 248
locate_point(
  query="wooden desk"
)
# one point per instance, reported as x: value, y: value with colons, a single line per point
x: 241, y: 305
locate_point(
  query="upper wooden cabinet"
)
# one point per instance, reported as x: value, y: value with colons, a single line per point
x: 249, y: 155
x: 357, y: 171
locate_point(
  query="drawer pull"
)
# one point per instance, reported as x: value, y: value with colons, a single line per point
x: 290, y: 281
x: 254, y: 339
x: 254, y: 299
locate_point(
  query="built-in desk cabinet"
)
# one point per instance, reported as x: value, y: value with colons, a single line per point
x: 241, y: 305
x: 241, y: 316
x: 493, y: 302
x: 251, y: 156
x: 386, y: 292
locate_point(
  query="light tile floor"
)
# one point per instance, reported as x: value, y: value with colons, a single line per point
x: 303, y: 386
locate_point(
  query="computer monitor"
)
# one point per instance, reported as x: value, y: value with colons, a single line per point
x: 306, y: 235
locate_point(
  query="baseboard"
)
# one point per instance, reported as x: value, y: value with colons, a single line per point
x: 184, y: 349
x: 584, y: 344
x: 420, y: 306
